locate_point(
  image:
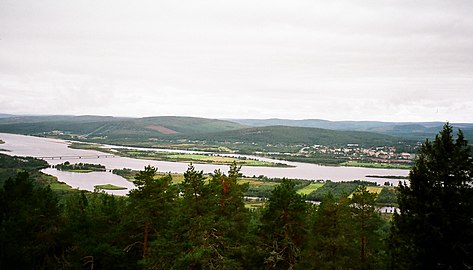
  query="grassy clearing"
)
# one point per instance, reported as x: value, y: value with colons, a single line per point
x: 256, y: 182
x: 375, y: 165
x: 109, y: 187
x: 371, y: 189
x: 254, y: 203
x: 177, y: 157
x: 79, y: 171
x: 203, y: 158
x: 52, y: 181
x: 87, y: 146
x: 310, y: 188
x: 176, y: 177
x: 222, y: 160
x: 375, y: 190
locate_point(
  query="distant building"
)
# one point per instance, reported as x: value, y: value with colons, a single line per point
x: 408, y: 156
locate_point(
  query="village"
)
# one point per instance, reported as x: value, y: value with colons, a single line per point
x: 384, y: 154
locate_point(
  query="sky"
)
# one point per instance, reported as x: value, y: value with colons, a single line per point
x: 397, y: 60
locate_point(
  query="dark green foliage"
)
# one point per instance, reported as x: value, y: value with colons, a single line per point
x: 367, y: 222
x: 387, y: 196
x: 346, y: 234
x: 337, y: 189
x: 66, y: 166
x: 213, y: 224
x: 30, y: 225
x: 283, y: 227
x: 95, y: 234
x: 201, y: 223
x: 434, y: 228
x: 150, y: 211
x: 24, y: 163
x: 331, y: 245
x: 264, y: 191
x: 231, y: 219
x: 9, y: 166
x: 285, y: 135
x: 196, y: 234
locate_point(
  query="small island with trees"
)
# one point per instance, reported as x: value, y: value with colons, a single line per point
x: 80, y: 167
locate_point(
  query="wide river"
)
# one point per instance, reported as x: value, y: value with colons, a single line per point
x: 22, y: 145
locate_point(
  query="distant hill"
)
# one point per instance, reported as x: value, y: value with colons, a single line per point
x: 313, y: 123
x: 2, y: 115
x: 114, y: 126
x: 259, y: 131
x: 414, y: 131
x: 298, y: 136
x: 187, y: 125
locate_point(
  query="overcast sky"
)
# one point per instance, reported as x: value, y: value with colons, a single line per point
x: 338, y: 60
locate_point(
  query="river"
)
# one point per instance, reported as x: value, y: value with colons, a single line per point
x: 22, y: 145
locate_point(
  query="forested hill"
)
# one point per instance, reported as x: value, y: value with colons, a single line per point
x: 115, y: 127
x: 271, y: 131
x: 409, y: 130
x: 190, y: 128
x: 298, y: 136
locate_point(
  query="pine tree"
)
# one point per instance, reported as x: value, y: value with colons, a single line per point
x: 30, y: 225
x: 331, y: 244
x: 152, y: 206
x: 195, y: 227
x: 232, y: 218
x: 284, y: 229
x: 434, y: 229
x: 367, y: 222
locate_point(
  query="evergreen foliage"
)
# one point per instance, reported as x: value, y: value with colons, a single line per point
x: 283, y: 230
x: 434, y: 228
x: 332, y: 236
x: 30, y: 224
x: 150, y: 211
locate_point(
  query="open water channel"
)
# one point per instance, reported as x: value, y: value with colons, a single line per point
x: 21, y: 145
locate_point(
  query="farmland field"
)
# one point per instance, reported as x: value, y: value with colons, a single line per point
x: 310, y: 188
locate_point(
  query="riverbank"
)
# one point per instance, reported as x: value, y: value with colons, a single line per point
x: 197, y: 158
x: 23, y: 145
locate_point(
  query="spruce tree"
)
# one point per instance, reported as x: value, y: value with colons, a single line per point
x: 434, y: 229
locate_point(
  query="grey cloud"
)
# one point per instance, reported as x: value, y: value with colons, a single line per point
x: 247, y: 58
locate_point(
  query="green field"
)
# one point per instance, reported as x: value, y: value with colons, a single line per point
x: 109, y: 187
x: 375, y: 165
x: 178, y: 157
x: 52, y: 182
x: 375, y: 190
x: 176, y: 177
x: 194, y: 158
x: 79, y: 171
x: 310, y: 188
